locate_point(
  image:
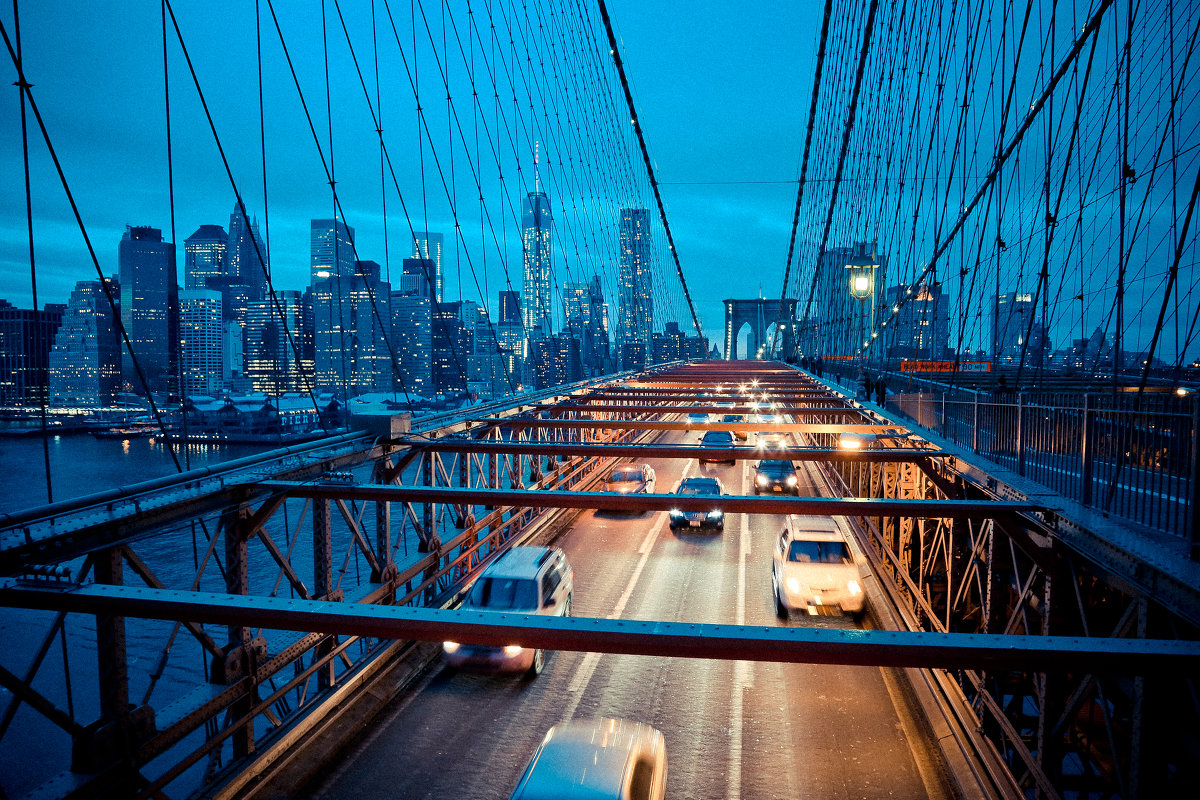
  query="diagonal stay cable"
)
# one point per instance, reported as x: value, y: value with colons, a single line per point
x: 812, y: 118
x: 637, y: 128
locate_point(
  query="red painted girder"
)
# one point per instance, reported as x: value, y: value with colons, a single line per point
x: 643, y: 451
x: 682, y: 425
x: 635, y: 637
x: 613, y: 501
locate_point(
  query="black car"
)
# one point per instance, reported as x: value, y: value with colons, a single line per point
x: 776, y: 476
x: 698, y: 487
x: 716, y: 440
x: 741, y: 433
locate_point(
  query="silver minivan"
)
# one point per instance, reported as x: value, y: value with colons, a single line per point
x: 597, y: 759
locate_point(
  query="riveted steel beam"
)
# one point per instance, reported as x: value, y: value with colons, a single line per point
x: 614, y: 501
x: 633, y: 637
x: 673, y: 451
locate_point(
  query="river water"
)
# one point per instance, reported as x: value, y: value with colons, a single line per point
x: 33, y: 748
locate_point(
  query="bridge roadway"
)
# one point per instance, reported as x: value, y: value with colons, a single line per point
x: 733, y: 729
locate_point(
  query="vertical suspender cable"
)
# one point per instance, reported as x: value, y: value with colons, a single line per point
x: 37, y: 327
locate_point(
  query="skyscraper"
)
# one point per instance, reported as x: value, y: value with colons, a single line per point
x: 429, y: 245
x: 204, y: 256
x: 271, y: 363
x: 371, y: 298
x: 149, y: 308
x: 245, y: 245
x: 536, y: 225
x: 332, y: 273
x: 201, y: 342
x: 921, y: 328
x: 26, y: 337
x: 510, y: 306
x: 85, y: 363
x: 635, y: 303
x: 419, y: 277
x: 412, y: 327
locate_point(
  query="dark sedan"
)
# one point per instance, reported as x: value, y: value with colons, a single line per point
x: 698, y: 487
x: 775, y: 476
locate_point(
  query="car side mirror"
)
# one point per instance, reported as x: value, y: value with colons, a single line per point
x: 549, y: 603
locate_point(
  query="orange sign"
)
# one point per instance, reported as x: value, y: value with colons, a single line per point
x: 945, y: 366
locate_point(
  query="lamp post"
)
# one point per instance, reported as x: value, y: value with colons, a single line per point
x: 862, y: 285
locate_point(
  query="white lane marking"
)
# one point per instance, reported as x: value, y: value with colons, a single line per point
x: 587, y: 667
x: 742, y: 675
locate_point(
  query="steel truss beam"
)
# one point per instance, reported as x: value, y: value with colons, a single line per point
x: 663, y: 425
x: 612, y: 501
x: 669, y: 451
x: 632, y: 637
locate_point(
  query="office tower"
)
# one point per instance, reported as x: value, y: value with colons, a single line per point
x: 244, y: 249
x: 419, y: 277
x: 149, y: 308
x: 205, y: 255
x: 85, y: 362
x: 1012, y: 324
x: 332, y: 274
x: 556, y: 361
x: 26, y: 338
x: 273, y: 365
x: 510, y: 306
x: 451, y: 346
x: 372, y: 314
x: 412, y: 334
x: 585, y: 318
x: 536, y: 225
x: 428, y: 245
x: 635, y: 301
x: 201, y: 342
x: 921, y: 328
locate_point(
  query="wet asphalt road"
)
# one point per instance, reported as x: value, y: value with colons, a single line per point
x: 733, y: 729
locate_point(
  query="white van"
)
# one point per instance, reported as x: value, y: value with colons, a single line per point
x: 813, y: 570
x: 600, y: 759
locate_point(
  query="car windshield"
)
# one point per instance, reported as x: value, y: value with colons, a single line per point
x: 733, y: 417
x: 695, y: 489
x: 717, y: 438
x: 629, y: 474
x: 806, y: 552
x: 776, y: 467
x: 504, y: 593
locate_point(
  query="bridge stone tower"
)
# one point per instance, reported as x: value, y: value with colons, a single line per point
x: 760, y: 315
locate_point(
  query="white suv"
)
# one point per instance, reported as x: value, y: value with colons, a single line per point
x: 813, y: 569
x: 534, y: 580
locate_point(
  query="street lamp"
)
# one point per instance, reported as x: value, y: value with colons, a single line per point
x: 862, y: 284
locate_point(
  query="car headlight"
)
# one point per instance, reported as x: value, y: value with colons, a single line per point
x: 791, y: 481
x: 675, y: 512
x: 762, y: 480
x: 512, y: 649
x: 450, y: 647
x: 793, y: 585
x: 716, y: 514
x: 854, y: 587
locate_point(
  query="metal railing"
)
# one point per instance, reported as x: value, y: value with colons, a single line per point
x: 1109, y: 454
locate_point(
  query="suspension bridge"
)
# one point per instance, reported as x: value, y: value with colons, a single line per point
x: 452, y: 298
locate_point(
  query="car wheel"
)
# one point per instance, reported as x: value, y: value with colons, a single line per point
x: 539, y: 662
x: 780, y: 608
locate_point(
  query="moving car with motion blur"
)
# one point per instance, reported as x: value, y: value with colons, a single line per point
x: 716, y: 440
x: 812, y: 570
x: 631, y: 479
x: 698, y: 520
x: 601, y: 759
x: 526, y: 580
x: 776, y: 477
